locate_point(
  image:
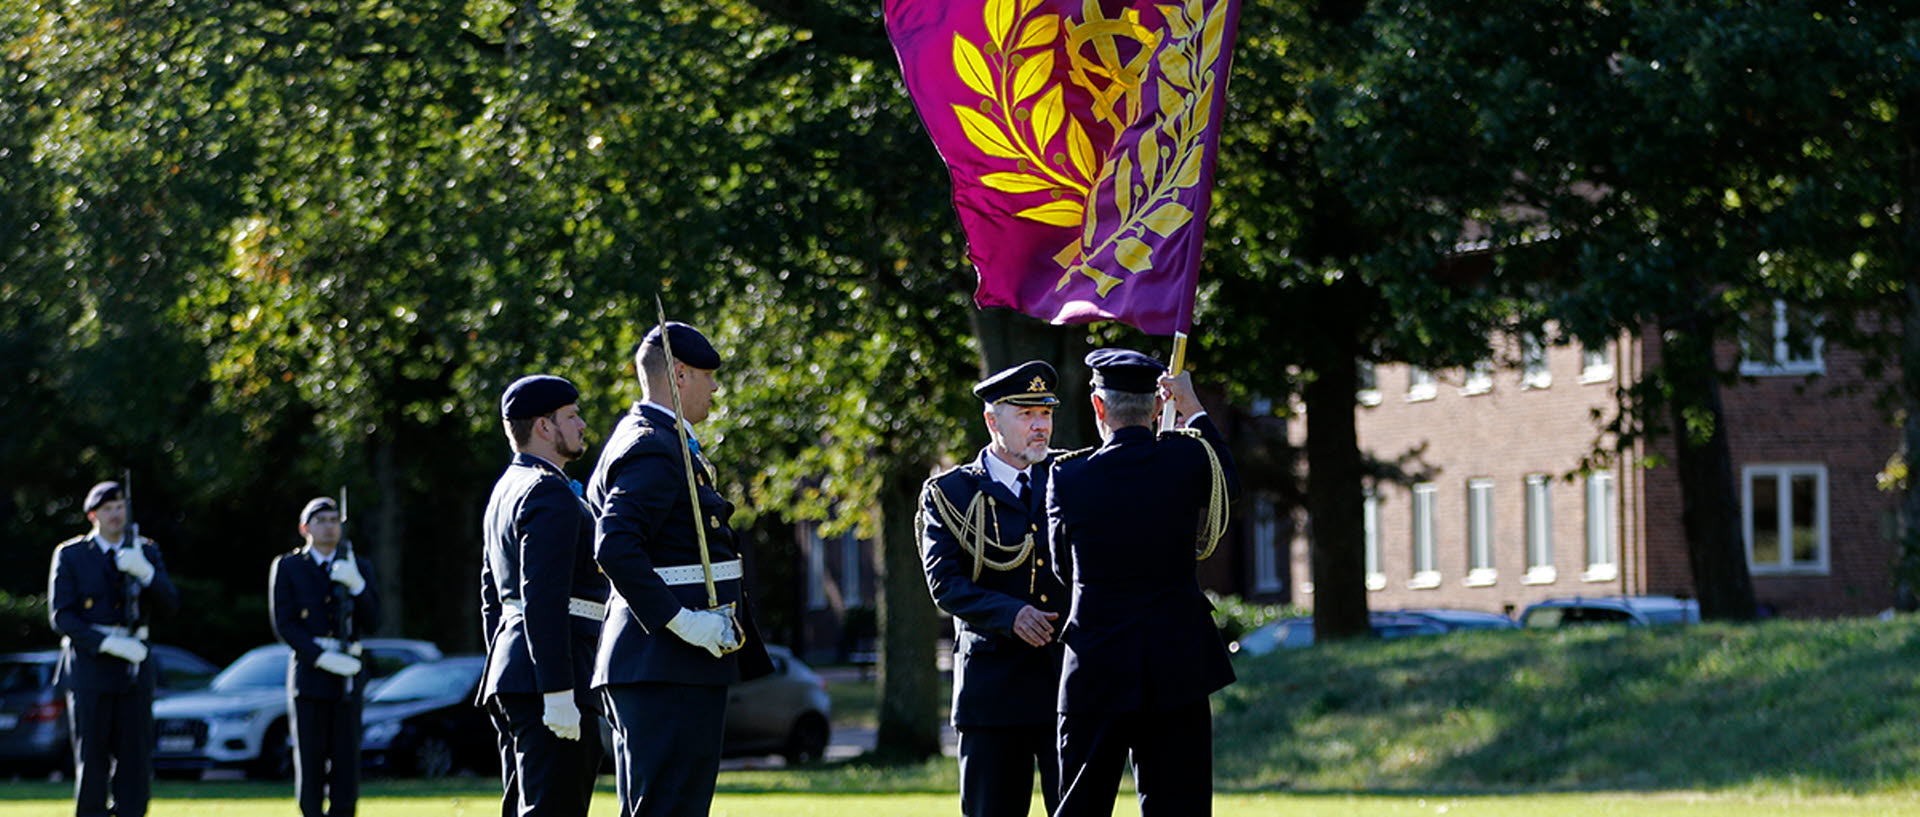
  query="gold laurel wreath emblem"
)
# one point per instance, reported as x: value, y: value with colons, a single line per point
x: 1022, y: 113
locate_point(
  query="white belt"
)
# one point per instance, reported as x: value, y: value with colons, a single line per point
x: 694, y: 574
x: 333, y: 644
x: 584, y: 608
x: 116, y: 629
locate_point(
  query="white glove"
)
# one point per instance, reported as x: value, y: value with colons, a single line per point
x: 562, y: 715
x: 120, y: 646
x: 705, y: 629
x: 344, y: 571
x: 133, y: 562
x: 338, y: 663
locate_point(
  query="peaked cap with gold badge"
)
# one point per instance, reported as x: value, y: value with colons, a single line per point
x: 1028, y: 384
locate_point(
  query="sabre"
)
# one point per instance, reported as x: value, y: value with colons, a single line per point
x: 693, y: 487
x: 343, y: 600
x: 131, y: 586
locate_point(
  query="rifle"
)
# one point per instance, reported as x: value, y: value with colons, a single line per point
x: 342, y: 598
x: 130, y: 586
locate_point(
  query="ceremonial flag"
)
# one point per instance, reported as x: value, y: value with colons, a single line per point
x: 1081, y: 137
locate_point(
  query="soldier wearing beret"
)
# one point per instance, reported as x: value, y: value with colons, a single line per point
x: 1142, y: 652
x: 322, y: 600
x: 665, y: 658
x: 101, y: 586
x: 984, y: 547
x: 542, y: 601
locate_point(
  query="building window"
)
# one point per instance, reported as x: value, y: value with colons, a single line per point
x: 1367, y: 388
x: 1479, y: 378
x: 1480, y: 570
x: 850, y: 570
x: 1539, y: 529
x: 816, y: 569
x: 1534, y: 372
x: 1266, y: 547
x: 1370, y: 527
x: 1420, y: 384
x: 1596, y: 363
x: 1781, y: 341
x: 1603, y: 528
x: 1425, y: 574
x: 1786, y: 517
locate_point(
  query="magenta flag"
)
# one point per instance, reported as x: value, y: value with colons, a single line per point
x: 1081, y: 137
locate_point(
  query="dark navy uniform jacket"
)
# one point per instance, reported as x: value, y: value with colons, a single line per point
x: 303, y: 608
x: 1140, y: 634
x: 539, y: 555
x: 85, y: 589
x: 998, y: 679
x: 644, y: 520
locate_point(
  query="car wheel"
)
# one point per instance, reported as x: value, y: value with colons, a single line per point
x: 432, y: 757
x: 276, y: 755
x: 807, y: 741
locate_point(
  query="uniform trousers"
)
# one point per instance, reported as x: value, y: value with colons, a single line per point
x: 666, y: 746
x: 112, y: 751
x: 997, y: 765
x: 543, y: 774
x: 1172, y: 760
x: 326, y: 755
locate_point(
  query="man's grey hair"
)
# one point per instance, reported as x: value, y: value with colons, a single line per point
x: 1125, y: 408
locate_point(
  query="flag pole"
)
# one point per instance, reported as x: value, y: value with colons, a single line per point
x: 1179, y: 365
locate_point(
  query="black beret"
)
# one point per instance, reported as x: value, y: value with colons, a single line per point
x: 102, y: 494
x: 1125, y: 370
x: 1028, y: 384
x: 689, y: 346
x: 535, y: 395
x: 318, y: 504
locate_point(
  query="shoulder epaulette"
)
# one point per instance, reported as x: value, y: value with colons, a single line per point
x: 74, y: 541
x: 1184, y: 432
x: 1078, y: 452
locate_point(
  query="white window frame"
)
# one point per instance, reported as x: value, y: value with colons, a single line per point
x: 1783, y: 363
x: 850, y: 573
x: 1368, y: 395
x: 1536, y: 369
x: 1480, y: 565
x: 1426, y: 573
x: 816, y: 569
x: 1266, y: 547
x: 1479, y: 378
x: 1596, y: 363
x: 1539, y: 517
x: 1370, y: 541
x: 1783, y: 475
x: 1421, y: 384
x: 1603, y: 527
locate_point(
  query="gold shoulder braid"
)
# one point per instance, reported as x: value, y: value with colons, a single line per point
x: 977, y: 529
x: 1214, y: 524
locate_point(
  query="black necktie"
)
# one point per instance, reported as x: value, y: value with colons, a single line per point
x: 1026, y: 489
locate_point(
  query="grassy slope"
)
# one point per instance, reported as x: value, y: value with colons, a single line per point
x: 1826, y: 706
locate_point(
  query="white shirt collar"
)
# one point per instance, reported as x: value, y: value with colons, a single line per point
x: 670, y: 413
x: 319, y: 559
x: 104, y: 545
x: 1003, y: 473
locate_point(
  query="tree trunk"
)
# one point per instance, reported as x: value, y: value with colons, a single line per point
x: 909, y: 676
x: 388, y: 548
x: 1910, y: 393
x: 1709, y: 502
x: 1334, y: 502
x: 1008, y: 337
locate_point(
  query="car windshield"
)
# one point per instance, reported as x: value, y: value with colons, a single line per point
x: 24, y: 676
x: 255, y: 670
x: 425, y: 682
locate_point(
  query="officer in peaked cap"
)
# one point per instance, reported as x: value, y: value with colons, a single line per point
x: 100, y: 588
x: 1142, y: 653
x: 984, y: 548
x: 322, y: 601
x: 665, y: 659
x: 542, y: 601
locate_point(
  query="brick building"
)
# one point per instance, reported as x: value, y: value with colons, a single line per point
x: 1498, y: 513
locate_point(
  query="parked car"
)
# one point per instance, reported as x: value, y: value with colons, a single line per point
x: 1639, y: 611
x: 422, y: 722
x: 33, y: 713
x: 786, y: 713
x: 1292, y: 633
x: 240, y: 721
x: 1455, y: 619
